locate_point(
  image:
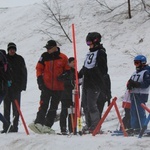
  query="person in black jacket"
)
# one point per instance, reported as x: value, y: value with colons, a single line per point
x: 94, y: 85
x: 19, y: 81
x: 67, y: 103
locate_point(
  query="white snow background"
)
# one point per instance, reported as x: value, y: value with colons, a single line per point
x: 123, y: 38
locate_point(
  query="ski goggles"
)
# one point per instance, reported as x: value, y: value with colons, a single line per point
x: 89, y: 43
x: 137, y: 62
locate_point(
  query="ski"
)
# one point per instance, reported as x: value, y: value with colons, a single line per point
x: 120, y: 133
x: 65, y: 134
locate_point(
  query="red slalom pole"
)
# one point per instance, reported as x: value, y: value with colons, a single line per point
x: 120, y: 120
x: 145, y: 107
x: 98, y: 127
x: 20, y: 113
x: 77, y: 105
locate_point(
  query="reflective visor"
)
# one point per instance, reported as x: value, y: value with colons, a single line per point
x: 89, y: 43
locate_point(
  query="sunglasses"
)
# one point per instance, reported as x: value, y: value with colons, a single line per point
x: 137, y: 62
x: 89, y: 43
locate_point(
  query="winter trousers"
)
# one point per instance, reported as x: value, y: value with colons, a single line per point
x: 138, y: 114
x: 126, y: 118
x: 48, y: 106
x: 8, y: 102
x: 101, y: 103
x: 90, y: 108
x: 66, y: 103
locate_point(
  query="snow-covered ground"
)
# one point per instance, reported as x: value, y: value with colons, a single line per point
x: 20, y: 22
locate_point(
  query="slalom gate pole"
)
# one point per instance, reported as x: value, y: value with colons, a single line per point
x: 20, y: 113
x: 145, y: 107
x: 120, y: 120
x: 126, y: 96
x: 146, y: 122
x: 77, y: 105
x: 98, y: 127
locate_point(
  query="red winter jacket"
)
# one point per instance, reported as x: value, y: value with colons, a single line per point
x: 50, y: 66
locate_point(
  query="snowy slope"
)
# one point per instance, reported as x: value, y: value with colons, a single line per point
x: 21, y: 21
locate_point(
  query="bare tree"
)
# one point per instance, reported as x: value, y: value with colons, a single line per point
x: 104, y: 4
x: 55, y: 20
x: 134, y: 8
x: 145, y: 6
x: 129, y: 9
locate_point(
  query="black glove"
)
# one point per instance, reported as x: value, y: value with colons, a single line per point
x: 63, y: 77
x: 41, y: 84
x: 133, y: 84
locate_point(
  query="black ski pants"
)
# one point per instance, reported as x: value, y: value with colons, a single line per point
x: 48, y: 107
x: 65, y: 104
x: 90, y: 108
x: 8, y: 102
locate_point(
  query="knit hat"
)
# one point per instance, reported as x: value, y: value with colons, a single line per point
x: 11, y: 45
x: 50, y: 44
x: 71, y: 59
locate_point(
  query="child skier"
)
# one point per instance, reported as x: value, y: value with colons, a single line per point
x: 68, y: 77
x: 138, y: 85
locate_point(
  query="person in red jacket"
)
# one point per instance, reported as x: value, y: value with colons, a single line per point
x: 49, y: 67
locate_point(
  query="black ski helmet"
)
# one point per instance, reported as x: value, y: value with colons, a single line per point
x: 93, y: 37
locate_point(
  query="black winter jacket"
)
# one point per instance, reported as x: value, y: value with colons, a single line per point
x: 18, y: 72
x: 68, y: 77
x: 95, y: 68
x: 4, y: 73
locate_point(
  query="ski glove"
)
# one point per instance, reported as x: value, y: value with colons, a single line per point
x: 133, y: 84
x: 41, y: 84
x: 9, y: 83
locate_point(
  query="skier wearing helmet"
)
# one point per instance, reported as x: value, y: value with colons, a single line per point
x: 94, y: 73
x: 138, y: 85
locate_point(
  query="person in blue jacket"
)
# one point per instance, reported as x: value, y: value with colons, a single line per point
x: 138, y: 85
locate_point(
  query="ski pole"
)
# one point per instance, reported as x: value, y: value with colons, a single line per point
x: 10, y: 125
x: 137, y: 111
x: 20, y: 113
